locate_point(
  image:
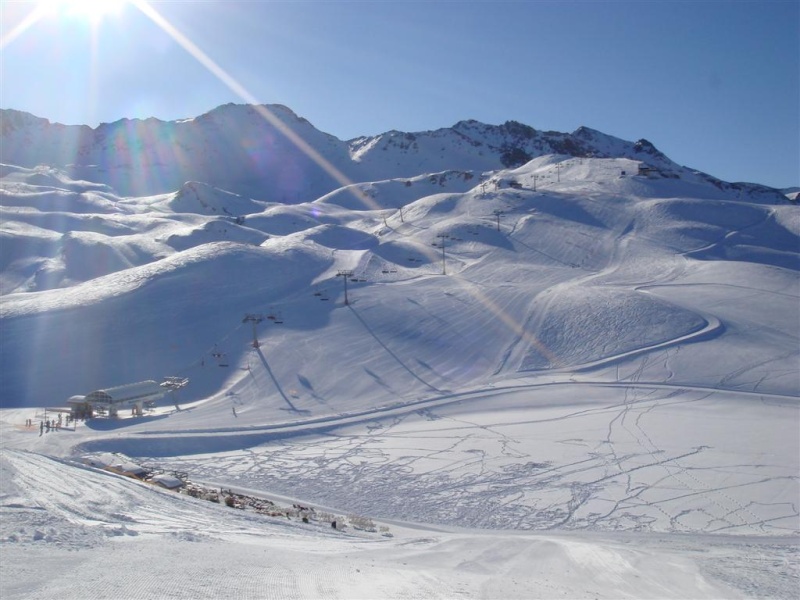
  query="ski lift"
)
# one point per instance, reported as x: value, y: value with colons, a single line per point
x: 221, y: 358
x: 275, y: 317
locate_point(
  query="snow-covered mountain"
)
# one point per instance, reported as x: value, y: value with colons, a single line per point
x: 481, y: 326
x: 234, y: 147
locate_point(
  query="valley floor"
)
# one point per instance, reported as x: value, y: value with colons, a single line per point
x: 572, y: 489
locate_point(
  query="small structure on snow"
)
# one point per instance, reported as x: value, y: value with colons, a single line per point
x: 647, y: 170
x: 132, y: 396
x: 116, y: 463
x: 169, y: 482
x: 129, y: 469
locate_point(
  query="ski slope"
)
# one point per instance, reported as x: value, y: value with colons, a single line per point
x: 590, y: 391
x: 101, y: 535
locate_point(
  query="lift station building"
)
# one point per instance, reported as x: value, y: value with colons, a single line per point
x: 132, y: 396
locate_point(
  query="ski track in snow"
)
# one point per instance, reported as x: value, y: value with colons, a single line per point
x: 106, y: 536
x: 490, y: 478
x: 661, y: 460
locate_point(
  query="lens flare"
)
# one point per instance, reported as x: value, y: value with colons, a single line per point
x: 93, y: 10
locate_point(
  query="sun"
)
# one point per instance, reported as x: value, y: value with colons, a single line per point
x: 91, y: 10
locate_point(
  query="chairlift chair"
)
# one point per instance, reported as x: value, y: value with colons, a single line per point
x: 221, y: 358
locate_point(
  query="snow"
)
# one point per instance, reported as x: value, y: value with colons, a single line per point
x: 600, y: 399
x: 100, y: 535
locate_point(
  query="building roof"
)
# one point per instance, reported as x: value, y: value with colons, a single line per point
x: 101, y: 460
x: 131, y: 391
x: 128, y: 468
x: 168, y: 481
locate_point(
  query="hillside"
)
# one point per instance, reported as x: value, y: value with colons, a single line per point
x: 587, y: 340
x: 578, y: 267
x: 269, y: 153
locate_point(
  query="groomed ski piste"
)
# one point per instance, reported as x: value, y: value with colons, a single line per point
x: 590, y: 392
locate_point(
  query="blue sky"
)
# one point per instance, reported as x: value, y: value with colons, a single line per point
x: 715, y: 85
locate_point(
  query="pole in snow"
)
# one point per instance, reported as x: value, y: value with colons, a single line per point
x: 255, y: 320
x: 559, y: 166
x: 344, y: 274
x: 443, y: 237
x: 497, y: 214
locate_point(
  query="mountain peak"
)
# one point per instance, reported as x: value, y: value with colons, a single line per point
x: 237, y: 147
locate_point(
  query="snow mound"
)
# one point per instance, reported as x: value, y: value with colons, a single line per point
x: 342, y: 238
x: 582, y: 325
x: 395, y: 193
x: 201, y: 198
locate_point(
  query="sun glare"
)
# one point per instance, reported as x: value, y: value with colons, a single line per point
x: 92, y: 10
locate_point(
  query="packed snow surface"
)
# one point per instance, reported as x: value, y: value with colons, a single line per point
x: 570, y: 378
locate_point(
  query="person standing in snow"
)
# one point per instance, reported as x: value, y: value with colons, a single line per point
x: 41, y: 428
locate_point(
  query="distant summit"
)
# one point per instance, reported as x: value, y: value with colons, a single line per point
x: 233, y: 147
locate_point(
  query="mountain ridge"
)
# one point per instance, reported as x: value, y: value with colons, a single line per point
x: 604, y: 347
x: 233, y: 147
x: 77, y: 254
